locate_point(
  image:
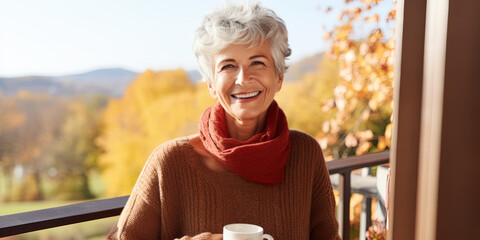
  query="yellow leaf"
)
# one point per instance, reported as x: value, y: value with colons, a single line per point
x: 323, y: 142
x: 332, y: 139
x: 350, y: 140
x: 388, y: 131
x: 365, y: 135
x: 392, y: 15
x: 356, y: 13
x: 381, y: 145
x: 374, y: 17
x: 344, y: 31
x: 363, y: 147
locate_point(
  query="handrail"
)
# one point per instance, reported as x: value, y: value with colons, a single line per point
x: 19, y: 223
x: 344, y: 167
x: 355, y: 162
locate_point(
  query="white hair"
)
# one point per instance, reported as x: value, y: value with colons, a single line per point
x: 247, y: 23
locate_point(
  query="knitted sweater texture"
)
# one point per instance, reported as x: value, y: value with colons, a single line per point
x: 178, y: 197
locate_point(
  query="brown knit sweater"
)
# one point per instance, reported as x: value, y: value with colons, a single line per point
x: 177, y: 196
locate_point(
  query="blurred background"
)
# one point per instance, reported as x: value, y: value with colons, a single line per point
x: 89, y: 88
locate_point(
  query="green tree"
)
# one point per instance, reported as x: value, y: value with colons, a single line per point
x: 74, y: 153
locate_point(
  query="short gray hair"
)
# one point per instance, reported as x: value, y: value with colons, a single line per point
x: 247, y: 23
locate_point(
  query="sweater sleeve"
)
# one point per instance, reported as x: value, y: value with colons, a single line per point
x: 141, y: 216
x: 323, y: 223
x: 137, y: 221
x: 149, y: 206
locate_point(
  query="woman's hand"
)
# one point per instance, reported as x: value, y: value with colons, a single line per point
x: 217, y: 236
x: 203, y: 236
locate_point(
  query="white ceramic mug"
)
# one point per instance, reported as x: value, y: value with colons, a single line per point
x: 243, y: 231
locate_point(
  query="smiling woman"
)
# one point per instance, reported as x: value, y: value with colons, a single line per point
x: 244, y: 165
x: 245, y: 82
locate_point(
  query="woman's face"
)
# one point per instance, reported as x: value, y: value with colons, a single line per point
x: 244, y: 80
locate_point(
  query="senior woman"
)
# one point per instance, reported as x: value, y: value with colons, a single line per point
x: 245, y: 165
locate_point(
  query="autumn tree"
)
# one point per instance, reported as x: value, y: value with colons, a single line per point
x: 10, y: 119
x: 362, y: 100
x: 156, y: 107
x: 28, y: 142
x: 74, y: 153
x: 301, y: 99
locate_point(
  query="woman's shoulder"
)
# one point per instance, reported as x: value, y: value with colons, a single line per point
x: 160, y: 167
x: 299, y: 137
x: 172, y: 150
x: 173, y: 145
x: 305, y: 146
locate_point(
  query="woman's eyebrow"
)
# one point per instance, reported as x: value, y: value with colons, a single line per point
x: 257, y: 56
x: 226, y: 60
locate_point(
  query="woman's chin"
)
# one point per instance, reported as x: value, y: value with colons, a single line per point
x: 247, y: 114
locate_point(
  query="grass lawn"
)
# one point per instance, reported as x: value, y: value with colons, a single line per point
x: 92, y: 230
x: 17, y: 207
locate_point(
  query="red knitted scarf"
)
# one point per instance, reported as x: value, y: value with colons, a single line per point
x: 261, y: 158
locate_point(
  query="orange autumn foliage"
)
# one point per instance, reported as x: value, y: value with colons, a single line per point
x: 362, y: 100
x: 156, y: 107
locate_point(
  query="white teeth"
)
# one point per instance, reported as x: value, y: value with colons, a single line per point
x: 246, y: 95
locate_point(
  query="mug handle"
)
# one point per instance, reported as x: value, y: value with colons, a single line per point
x: 266, y: 236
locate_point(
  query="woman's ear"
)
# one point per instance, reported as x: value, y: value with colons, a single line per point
x: 212, y: 90
x: 280, y: 82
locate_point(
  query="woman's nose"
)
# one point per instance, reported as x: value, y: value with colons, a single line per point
x: 242, y: 77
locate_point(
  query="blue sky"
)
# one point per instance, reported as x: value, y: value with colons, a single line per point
x: 57, y: 37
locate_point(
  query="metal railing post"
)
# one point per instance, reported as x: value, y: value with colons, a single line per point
x: 343, y: 213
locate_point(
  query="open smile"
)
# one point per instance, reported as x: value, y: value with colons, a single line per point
x: 246, y: 95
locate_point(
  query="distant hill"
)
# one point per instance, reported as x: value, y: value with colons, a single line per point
x: 37, y: 84
x: 194, y: 76
x: 298, y: 69
x: 103, y: 74
x: 111, y: 82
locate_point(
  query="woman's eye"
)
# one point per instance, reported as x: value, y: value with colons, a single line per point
x: 258, y: 63
x: 228, y: 66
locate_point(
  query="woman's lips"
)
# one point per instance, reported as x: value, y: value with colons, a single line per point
x: 246, y: 97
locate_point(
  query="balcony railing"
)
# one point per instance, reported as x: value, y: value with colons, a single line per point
x: 92, y: 210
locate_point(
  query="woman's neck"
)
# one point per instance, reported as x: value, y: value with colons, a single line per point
x: 244, y: 129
